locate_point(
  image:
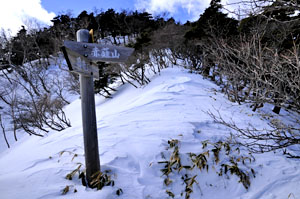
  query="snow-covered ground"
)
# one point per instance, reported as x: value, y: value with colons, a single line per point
x: 133, y: 131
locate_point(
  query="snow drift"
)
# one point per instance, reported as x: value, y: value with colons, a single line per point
x: 133, y: 130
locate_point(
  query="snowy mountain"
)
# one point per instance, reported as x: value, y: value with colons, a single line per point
x: 136, y: 129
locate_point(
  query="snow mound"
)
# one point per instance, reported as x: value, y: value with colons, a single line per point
x: 133, y: 129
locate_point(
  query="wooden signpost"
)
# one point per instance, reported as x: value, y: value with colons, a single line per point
x: 81, y: 58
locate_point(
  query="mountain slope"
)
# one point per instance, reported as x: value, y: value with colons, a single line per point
x: 133, y: 130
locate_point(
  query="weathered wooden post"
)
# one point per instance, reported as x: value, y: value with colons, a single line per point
x: 82, y: 58
x: 89, y: 124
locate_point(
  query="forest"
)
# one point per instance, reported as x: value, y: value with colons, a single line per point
x: 253, y: 57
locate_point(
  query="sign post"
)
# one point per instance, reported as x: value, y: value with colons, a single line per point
x: 81, y: 58
x: 89, y: 125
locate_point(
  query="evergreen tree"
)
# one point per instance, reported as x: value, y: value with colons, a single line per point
x: 213, y: 23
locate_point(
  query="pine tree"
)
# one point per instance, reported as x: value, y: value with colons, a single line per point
x: 213, y: 23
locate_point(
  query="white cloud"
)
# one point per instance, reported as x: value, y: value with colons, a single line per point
x: 192, y: 7
x: 14, y: 13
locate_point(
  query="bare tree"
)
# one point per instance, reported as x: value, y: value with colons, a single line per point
x: 32, y: 105
x: 4, y: 131
x: 277, y: 136
x: 32, y: 97
x: 258, y: 73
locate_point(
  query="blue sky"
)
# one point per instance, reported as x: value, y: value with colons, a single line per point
x: 79, y: 5
x: 181, y: 10
x: 33, y: 13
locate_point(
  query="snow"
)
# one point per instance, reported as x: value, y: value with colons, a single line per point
x: 133, y: 130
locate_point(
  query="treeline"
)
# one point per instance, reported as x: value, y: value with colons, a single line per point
x: 124, y: 28
x: 33, y: 91
x: 258, y: 55
x: 255, y: 59
x: 34, y: 44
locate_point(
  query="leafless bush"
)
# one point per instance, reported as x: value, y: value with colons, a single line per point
x: 277, y: 136
x: 33, y: 98
x: 70, y: 83
x: 4, y: 132
x: 135, y: 69
x: 259, y: 73
x: 169, y: 45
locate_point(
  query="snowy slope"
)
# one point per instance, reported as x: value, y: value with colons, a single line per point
x: 133, y: 129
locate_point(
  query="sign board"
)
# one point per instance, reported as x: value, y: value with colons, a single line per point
x: 97, y: 52
x: 82, y: 57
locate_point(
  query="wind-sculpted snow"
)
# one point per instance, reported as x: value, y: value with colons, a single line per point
x: 133, y: 130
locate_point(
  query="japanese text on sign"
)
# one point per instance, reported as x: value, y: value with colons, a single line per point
x: 105, y: 53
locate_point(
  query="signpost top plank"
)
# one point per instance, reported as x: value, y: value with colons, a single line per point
x: 82, y: 57
x: 98, y: 52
